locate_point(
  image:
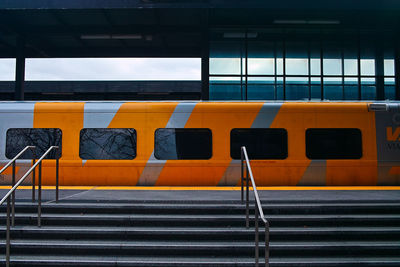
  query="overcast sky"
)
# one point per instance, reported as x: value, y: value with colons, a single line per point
x: 105, y: 69
x: 173, y: 68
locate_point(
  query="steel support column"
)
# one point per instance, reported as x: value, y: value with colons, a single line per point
x: 397, y: 69
x: 379, y: 73
x: 20, y: 70
x: 205, y: 60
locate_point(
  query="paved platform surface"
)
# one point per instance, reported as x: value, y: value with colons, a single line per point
x: 287, y: 194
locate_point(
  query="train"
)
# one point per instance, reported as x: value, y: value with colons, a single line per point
x: 180, y: 143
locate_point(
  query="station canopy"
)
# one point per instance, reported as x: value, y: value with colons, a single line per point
x: 167, y: 28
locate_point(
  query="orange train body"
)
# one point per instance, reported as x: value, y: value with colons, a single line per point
x: 380, y: 129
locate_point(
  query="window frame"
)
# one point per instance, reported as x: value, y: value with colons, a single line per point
x: 135, y: 147
x: 59, y: 151
x: 307, y: 153
x: 207, y: 129
x: 286, y: 154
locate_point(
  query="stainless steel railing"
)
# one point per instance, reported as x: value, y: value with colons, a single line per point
x: 247, y: 175
x: 11, y: 193
x: 12, y: 162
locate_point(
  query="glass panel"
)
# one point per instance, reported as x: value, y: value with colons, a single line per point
x: 107, y: 143
x: 297, y: 88
x: 390, y: 88
x: 296, y: 66
x: 333, y: 89
x: 260, y: 88
x: 225, y: 88
x: 279, y: 91
x: 332, y: 66
x: 333, y: 92
x: 171, y: 144
x: 316, y: 92
x: 333, y: 144
x: 224, y: 66
x: 389, y: 67
x: 260, y: 143
x: 390, y: 92
x: 368, y: 92
x: 390, y: 81
x: 315, y: 58
x: 350, y: 67
x: 351, y: 92
x: 42, y: 138
x: 315, y: 66
x: 279, y: 66
x: 351, y: 88
x: 367, y: 67
x: 368, y: 89
x: 260, y: 66
x: 225, y: 58
x: 261, y: 59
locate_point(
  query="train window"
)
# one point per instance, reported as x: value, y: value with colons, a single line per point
x: 260, y: 143
x: 333, y: 143
x: 183, y: 143
x: 42, y: 138
x: 107, y: 143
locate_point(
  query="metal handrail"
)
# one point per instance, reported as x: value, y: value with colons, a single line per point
x: 12, y: 191
x: 13, y: 161
x: 258, y: 207
x: 16, y: 157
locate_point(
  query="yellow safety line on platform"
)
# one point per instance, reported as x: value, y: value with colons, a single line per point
x: 216, y: 188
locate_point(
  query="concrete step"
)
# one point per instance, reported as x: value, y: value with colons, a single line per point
x: 204, y: 248
x: 106, y: 261
x: 202, y: 208
x: 203, y: 233
x: 206, y: 220
x: 209, y: 233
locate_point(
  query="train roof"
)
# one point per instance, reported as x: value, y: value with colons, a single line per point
x: 211, y: 106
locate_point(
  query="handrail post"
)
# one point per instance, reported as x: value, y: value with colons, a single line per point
x: 40, y: 194
x: 267, y: 244
x: 241, y: 172
x: 57, y: 170
x: 256, y: 234
x: 8, y: 234
x: 33, y: 176
x: 258, y: 211
x: 247, y: 197
x: 13, y: 196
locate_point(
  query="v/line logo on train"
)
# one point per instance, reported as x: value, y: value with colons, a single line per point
x: 198, y: 143
x: 393, y: 135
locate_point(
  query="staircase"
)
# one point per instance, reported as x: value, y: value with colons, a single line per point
x: 203, y: 233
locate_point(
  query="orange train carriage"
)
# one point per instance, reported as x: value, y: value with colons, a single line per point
x: 197, y: 143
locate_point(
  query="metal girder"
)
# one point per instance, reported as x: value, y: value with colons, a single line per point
x: 116, y: 52
x: 62, y: 30
x: 286, y: 4
x: 20, y: 69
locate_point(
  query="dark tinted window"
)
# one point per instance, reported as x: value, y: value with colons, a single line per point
x: 333, y: 144
x: 107, y: 143
x: 183, y: 143
x: 18, y: 138
x: 260, y: 143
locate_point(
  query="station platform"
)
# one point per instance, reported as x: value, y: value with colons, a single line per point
x: 204, y: 227
x: 280, y: 194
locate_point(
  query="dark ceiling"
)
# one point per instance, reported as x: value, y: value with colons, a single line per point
x: 175, y: 28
